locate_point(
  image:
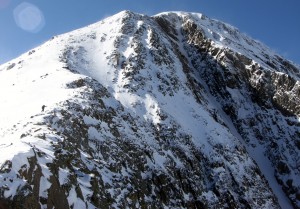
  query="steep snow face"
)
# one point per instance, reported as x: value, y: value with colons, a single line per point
x: 258, y: 91
x: 25, y: 89
x: 148, y: 112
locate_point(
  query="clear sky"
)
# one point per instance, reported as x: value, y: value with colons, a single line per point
x: 24, y: 25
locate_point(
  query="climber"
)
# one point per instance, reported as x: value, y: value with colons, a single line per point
x: 43, y: 108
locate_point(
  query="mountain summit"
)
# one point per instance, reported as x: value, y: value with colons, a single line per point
x: 176, y: 110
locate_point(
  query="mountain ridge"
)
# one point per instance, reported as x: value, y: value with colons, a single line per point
x: 143, y: 108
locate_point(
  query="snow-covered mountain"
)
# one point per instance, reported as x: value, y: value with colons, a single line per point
x: 171, y: 111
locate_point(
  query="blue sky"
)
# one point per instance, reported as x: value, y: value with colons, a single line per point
x: 273, y: 22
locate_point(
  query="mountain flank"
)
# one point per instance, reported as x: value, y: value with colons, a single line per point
x: 175, y: 110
